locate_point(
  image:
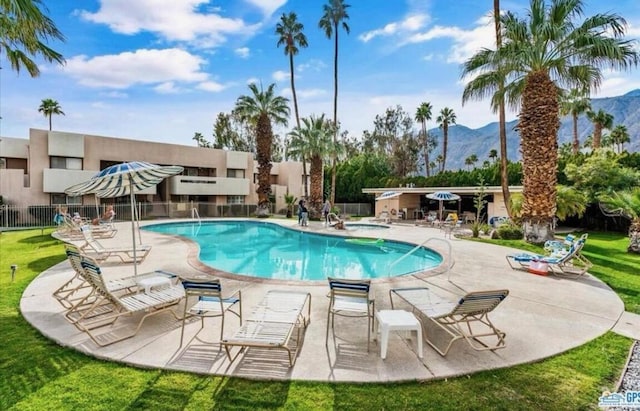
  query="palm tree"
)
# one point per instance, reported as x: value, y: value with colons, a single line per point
x: 24, y: 34
x: 619, y: 136
x: 493, y: 154
x: 316, y: 135
x: 625, y: 204
x: 291, y: 36
x: 49, y: 107
x: 553, y: 46
x: 334, y: 13
x: 260, y: 109
x: 446, y: 118
x: 423, y: 114
x: 575, y: 103
x: 600, y: 119
x: 440, y: 161
x: 471, y: 161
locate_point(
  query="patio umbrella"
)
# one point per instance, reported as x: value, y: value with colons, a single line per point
x: 388, y: 195
x: 125, y: 179
x: 442, y: 196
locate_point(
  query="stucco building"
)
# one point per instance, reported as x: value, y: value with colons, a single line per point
x: 37, y: 170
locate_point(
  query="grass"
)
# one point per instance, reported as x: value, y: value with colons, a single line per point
x: 37, y: 374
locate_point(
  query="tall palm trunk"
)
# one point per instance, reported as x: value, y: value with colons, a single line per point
x: 335, y: 114
x: 576, y: 141
x: 295, y: 107
x: 426, y: 147
x: 597, y: 135
x: 264, y: 137
x: 50, y: 115
x: 445, y: 143
x: 538, y: 127
x: 315, y: 202
x: 504, y: 161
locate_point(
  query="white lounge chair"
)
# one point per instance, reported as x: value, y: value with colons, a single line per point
x: 101, y: 253
x: 466, y: 318
x: 272, y: 324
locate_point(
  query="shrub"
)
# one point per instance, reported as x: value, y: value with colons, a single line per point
x: 510, y: 231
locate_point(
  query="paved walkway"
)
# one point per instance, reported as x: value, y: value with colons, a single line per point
x: 542, y: 316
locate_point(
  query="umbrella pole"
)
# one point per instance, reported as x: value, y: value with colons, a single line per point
x: 133, y: 231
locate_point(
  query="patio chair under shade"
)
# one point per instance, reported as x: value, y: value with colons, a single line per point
x: 101, y: 253
x: 209, y: 303
x: 571, y: 263
x: 272, y: 323
x: 70, y: 230
x: 466, y: 318
x: 147, y: 303
x: 350, y: 298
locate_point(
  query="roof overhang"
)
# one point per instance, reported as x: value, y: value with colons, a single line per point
x: 454, y: 190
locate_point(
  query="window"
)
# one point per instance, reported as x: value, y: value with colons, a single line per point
x: 235, y: 173
x: 61, y: 198
x: 235, y: 199
x: 66, y: 163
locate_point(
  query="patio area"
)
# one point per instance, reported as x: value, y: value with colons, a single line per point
x: 542, y: 316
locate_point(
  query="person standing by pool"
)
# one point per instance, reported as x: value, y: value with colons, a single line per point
x: 300, y: 204
x: 304, y: 214
x: 326, y: 209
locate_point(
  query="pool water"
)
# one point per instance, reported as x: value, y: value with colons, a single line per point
x: 363, y: 226
x: 267, y: 250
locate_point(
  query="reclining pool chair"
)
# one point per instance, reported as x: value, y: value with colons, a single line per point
x: 126, y: 254
x: 145, y: 303
x: 571, y: 263
x: 209, y: 303
x: 466, y: 318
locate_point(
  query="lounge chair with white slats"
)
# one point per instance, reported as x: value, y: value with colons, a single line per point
x: 272, y: 323
x: 466, y: 318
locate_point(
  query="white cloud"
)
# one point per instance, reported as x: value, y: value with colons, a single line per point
x: 114, y: 94
x: 465, y: 42
x: 305, y: 93
x: 253, y: 80
x: 242, y: 52
x: 617, y: 83
x: 313, y: 64
x: 280, y: 75
x: 428, y: 57
x: 267, y: 6
x: 409, y: 24
x: 168, y: 87
x: 211, y: 86
x: 140, y: 67
x: 171, y: 20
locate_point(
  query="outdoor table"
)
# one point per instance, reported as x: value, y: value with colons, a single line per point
x: 397, y: 320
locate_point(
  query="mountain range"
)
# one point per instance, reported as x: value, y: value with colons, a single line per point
x: 464, y: 141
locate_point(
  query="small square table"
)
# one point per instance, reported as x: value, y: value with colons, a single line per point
x: 397, y: 320
x: 149, y: 283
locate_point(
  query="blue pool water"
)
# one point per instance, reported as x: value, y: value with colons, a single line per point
x: 268, y: 250
x: 363, y: 226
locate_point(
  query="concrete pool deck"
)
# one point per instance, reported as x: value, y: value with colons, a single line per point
x: 542, y: 316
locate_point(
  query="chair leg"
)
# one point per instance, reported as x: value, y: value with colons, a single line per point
x: 184, y: 316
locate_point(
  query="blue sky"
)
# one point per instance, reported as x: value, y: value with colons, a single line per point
x: 162, y: 70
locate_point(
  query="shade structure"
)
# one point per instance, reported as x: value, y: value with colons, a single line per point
x: 387, y: 195
x: 442, y: 196
x: 125, y: 179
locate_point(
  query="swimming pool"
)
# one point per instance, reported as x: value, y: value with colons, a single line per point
x: 267, y: 250
x: 364, y: 226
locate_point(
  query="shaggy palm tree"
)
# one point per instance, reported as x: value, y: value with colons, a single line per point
x: 260, y: 110
x: 575, y: 103
x: 334, y: 14
x: 627, y: 205
x: 423, y: 114
x: 619, y: 135
x: 445, y: 119
x: 600, y: 119
x: 290, y: 34
x: 553, y: 47
x: 24, y: 32
x: 493, y: 154
x: 49, y: 107
x: 316, y: 136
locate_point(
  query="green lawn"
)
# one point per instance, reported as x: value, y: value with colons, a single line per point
x: 36, y: 374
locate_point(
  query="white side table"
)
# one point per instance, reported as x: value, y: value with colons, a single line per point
x: 154, y: 282
x: 397, y: 320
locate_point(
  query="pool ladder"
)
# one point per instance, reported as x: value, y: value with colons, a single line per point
x: 414, y: 249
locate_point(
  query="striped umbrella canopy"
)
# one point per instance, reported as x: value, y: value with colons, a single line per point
x: 442, y: 196
x: 387, y: 195
x: 125, y: 179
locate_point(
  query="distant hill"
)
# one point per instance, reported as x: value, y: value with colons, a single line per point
x: 464, y: 141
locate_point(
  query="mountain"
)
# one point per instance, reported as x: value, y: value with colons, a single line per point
x: 464, y: 141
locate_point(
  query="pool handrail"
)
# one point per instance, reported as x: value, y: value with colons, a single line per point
x: 421, y: 245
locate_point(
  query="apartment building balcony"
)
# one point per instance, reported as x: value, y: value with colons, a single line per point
x: 193, y: 185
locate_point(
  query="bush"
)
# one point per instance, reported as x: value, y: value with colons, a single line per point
x: 510, y: 231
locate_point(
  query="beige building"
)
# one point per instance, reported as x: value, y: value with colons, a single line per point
x: 38, y: 170
x: 412, y: 203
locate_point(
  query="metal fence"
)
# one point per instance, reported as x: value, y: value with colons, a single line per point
x: 14, y: 217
